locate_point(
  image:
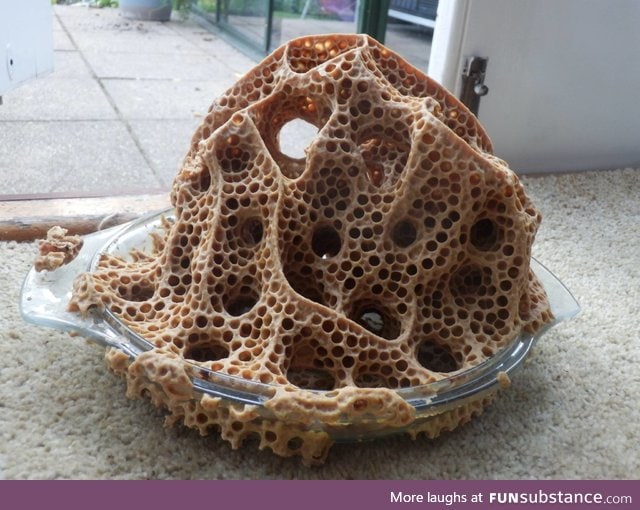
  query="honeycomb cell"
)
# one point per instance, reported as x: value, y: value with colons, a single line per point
x: 241, y: 302
x: 205, y: 352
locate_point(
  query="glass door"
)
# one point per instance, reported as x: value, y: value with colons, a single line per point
x: 296, y: 18
x: 248, y: 21
x: 409, y: 30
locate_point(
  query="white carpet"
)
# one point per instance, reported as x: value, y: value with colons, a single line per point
x: 572, y: 411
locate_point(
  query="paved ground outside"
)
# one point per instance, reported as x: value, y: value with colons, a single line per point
x: 117, y: 114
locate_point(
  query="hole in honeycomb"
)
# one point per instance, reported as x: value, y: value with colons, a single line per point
x: 404, y: 233
x: 295, y: 137
x: 252, y: 231
x: 376, y: 318
x: 373, y: 320
x: 291, y: 109
x: 306, y: 286
x: 311, y: 379
x: 141, y: 293
x: 435, y: 357
x: 372, y: 379
x: 242, y: 302
x: 326, y: 242
x: 484, y: 235
x: 295, y: 443
x: 206, y: 352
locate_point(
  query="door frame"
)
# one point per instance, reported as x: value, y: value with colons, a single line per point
x: 448, y: 41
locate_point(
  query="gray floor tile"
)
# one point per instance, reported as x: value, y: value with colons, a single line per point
x: 165, y: 143
x: 61, y: 41
x: 88, y: 19
x: 50, y: 98
x: 69, y: 64
x: 164, y: 99
x: 158, y: 66
x: 56, y: 23
x: 239, y: 62
x: 77, y: 157
x: 131, y: 42
x: 215, y: 46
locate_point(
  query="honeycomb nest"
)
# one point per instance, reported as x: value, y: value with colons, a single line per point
x: 394, y: 254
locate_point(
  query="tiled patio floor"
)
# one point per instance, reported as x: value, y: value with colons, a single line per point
x: 117, y: 114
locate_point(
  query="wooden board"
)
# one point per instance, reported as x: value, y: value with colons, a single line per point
x: 27, y: 220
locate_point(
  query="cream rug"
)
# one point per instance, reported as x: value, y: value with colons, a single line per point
x: 572, y: 411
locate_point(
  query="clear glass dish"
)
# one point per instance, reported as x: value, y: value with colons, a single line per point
x: 44, y: 298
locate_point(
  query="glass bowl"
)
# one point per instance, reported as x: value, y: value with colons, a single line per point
x: 44, y: 298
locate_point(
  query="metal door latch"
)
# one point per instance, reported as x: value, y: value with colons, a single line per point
x: 473, y: 87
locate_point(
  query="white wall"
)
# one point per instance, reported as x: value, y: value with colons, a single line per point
x: 26, y: 41
x: 564, y: 77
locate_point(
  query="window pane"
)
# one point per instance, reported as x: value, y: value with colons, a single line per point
x: 295, y: 18
x: 410, y: 30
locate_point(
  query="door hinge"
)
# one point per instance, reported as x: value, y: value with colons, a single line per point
x: 473, y: 87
